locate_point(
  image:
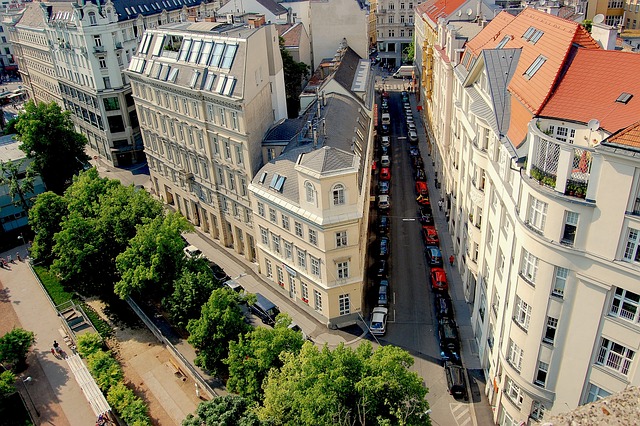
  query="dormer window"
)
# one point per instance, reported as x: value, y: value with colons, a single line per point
x: 311, y: 192
x: 338, y: 195
x: 92, y: 18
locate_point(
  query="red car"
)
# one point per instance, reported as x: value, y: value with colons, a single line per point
x: 385, y: 173
x: 430, y: 235
x: 439, y: 279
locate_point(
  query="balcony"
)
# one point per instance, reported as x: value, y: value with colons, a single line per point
x: 98, y: 49
x: 636, y: 208
x: 118, y: 45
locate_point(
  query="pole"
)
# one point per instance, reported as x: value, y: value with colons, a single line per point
x: 24, y: 383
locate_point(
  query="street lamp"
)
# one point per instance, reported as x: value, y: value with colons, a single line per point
x: 24, y: 381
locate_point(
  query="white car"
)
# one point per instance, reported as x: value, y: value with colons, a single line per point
x: 385, y: 161
x: 192, y: 251
x: 379, y: 321
x: 385, y: 141
x: 411, y: 126
x: 383, y: 202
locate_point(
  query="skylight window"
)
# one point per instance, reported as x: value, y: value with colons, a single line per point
x: 527, y: 34
x: 184, y: 51
x: 279, y: 184
x: 208, y: 84
x: 157, y: 48
x: 504, y: 41
x: 173, y: 75
x: 206, y: 53
x: 274, y: 180
x: 229, y: 85
x: 165, y: 73
x: 229, y: 54
x: 195, y: 51
x: 263, y: 177
x: 217, y: 54
x: 194, y: 79
x: 624, y: 98
x: 532, y: 34
x: 536, y: 36
x: 535, y: 66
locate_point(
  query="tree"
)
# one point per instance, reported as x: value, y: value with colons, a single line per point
x: 345, y: 387
x: 45, y: 219
x: 89, y: 344
x: 154, y: 256
x: 131, y: 409
x: 191, y: 290
x: 257, y: 352
x: 14, y: 347
x: 228, y: 410
x: 221, y: 321
x: 410, y: 52
x: 7, y: 383
x: 48, y: 138
x: 294, y: 74
x: 105, y: 369
x: 20, y: 185
x: 587, y: 24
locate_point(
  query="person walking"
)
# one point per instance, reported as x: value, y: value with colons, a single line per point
x: 440, y: 204
x: 451, y: 259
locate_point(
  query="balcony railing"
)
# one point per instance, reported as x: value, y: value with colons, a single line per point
x: 636, y: 207
x: 619, y: 312
x: 614, y: 361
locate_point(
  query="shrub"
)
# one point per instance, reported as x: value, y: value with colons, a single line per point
x: 7, y: 383
x: 130, y: 408
x: 14, y: 347
x: 105, y: 369
x: 89, y: 343
x: 99, y: 324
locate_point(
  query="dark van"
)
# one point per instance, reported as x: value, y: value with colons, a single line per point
x: 456, y: 381
x: 265, y: 310
x: 383, y: 224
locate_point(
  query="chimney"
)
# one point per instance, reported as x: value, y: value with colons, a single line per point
x: 605, y: 35
x: 315, y: 136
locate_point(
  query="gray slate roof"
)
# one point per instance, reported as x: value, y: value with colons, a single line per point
x: 327, y: 159
x: 273, y: 7
x: 501, y: 65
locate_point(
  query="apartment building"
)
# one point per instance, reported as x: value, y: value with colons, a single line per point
x: 206, y: 93
x: 75, y: 54
x: 541, y: 181
x: 393, y: 29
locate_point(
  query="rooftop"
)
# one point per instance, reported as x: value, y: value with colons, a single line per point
x: 625, y: 138
x: 290, y: 33
x: 9, y: 149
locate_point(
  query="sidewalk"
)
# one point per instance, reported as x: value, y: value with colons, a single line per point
x: 53, y: 385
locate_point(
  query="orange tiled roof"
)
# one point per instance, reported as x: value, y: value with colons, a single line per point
x: 290, y: 33
x: 628, y: 137
x: 438, y: 8
x: 591, y: 85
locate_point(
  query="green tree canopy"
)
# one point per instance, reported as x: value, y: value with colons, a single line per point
x: 345, y: 386
x: 154, y: 256
x: 228, y: 410
x: 257, y: 352
x: 221, y: 321
x: 20, y: 185
x: 45, y: 219
x: 50, y: 140
x: 410, y: 51
x: 294, y: 74
x: 14, y: 347
x: 7, y: 383
x: 191, y: 290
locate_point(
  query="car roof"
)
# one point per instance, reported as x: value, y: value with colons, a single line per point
x: 380, y: 310
x: 383, y: 197
x: 434, y: 250
x: 439, y: 274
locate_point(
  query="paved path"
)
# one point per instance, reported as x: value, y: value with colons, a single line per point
x: 48, y: 373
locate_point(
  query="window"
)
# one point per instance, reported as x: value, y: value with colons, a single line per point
x: 596, y: 393
x: 513, y: 392
x: 227, y: 150
x: 299, y: 231
x: 570, y: 225
x: 103, y: 62
x: 239, y: 155
x: 529, y: 266
x: 522, y: 313
x: 285, y: 222
x: 302, y: 259
x: 313, y: 237
x: 515, y: 355
x: 317, y: 300
x: 304, y: 290
x: 625, y: 305
x: 280, y: 274
x: 275, y: 239
x: 341, y: 239
x: 315, y: 266
x: 107, y: 82
x: 111, y: 104
x: 92, y: 18
x: 311, y: 192
x: 97, y: 40
x: 615, y: 356
x: 273, y: 217
x: 261, y: 209
x: 343, y: 270
x: 535, y: 66
x: 631, y: 252
x: 234, y: 120
x: 338, y: 195
x: 269, y: 270
x: 537, y: 410
x: 288, y: 250
x: 537, y: 214
x: 344, y: 302
x: 541, y: 374
x: 550, y: 331
x: 560, y: 281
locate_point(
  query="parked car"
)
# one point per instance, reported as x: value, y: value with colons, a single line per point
x: 385, y: 173
x: 433, y: 256
x: 385, y: 161
x: 264, y: 309
x: 413, y: 137
x: 378, y: 324
x: 421, y: 188
x: 385, y: 141
x: 430, y: 235
x: 425, y: 216
x: 421, y: 175
x: 385, y: 129
x: 384, y: 187
x: 409, y: 118
x: 406, y: 105
x: 386, y: 117
x: 383, y: 202
x: 192, y: 252
x: 414, y: 151
x: 383, y: 224
x: 456, y: 380
x: 385, y: 247
x: 411, y: 126
x: 449, y: 340
x: 444, y: 307
x: 218, y: 272
x: 417, y: 162
x: 439, y: 279
x: 382, y: 268
x: 383, y: 295
x: 385, y: 149
x: 405, y: 96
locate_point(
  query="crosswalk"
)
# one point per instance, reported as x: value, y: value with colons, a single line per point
x: 462, y: 414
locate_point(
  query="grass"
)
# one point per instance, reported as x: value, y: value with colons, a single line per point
x: 103, y: 328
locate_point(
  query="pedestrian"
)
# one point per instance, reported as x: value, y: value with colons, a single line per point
x: 451, y: 259
x: 9, y: 260
x: 18, y: 256
x: 56, y: 346
x: 440, y: 204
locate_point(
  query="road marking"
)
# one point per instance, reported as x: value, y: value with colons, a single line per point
x: 461, y: 413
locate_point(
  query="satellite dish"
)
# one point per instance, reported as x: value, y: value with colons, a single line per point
x: 459, y: 13
x: 598, y: 19
x: 469, y: 12
x: 593, y: 125
x: 542, y: 2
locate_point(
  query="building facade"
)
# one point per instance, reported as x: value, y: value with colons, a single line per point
x: 393, y: 30
x: 546, y: 246
x: 205, y: 93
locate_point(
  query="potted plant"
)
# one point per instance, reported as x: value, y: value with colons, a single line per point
x: 581, y: 191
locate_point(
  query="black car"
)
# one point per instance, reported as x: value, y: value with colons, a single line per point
x: 405, y: 96
x: 414, y: 151
x: 449, y: 340
x: 417, y: 162
x: 433, y: 255
x: 456, y: 380
x: 444, y: 307
x: 421, y: 176
x: 385, y: 150
x: 425, y: 216
x: 384, y: 187
x: 382, y: 268
x: 384, y: 247
x: 385, y: 129
x: 383, y: 224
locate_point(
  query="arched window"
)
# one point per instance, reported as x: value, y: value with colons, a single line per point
x: 338, y: 195
x: 311, y: 192
x: 92, y: 18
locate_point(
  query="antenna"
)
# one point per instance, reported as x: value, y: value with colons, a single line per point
x: 598, y: 19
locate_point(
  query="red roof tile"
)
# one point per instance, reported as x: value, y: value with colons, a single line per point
x: 591, y: 85
x: 290, y: 33
x: 628, y: 137
x: 438, y: 8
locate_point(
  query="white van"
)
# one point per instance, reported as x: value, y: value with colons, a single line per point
x: 404, y: 71
x: 386, y: 118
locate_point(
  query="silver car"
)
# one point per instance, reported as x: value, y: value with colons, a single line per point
x: 378, y: 325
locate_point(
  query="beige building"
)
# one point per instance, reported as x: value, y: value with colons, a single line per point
x: 206, y: 93
x: 312, y: 199
x: 393, y: 29
x: 542, y: 191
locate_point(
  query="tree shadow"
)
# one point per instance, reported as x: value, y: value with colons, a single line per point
x: 5, y: 295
